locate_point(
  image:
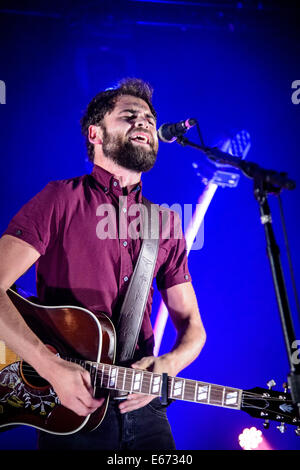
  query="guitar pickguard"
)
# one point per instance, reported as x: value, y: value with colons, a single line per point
x: 17, y: 396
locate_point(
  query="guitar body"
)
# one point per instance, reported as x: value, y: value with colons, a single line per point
x: 26, y: 398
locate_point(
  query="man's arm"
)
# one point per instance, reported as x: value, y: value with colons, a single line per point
x: 182, y: 305
x: 183, y: 309
x: 72, y: 384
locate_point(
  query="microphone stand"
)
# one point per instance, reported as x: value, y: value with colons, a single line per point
x: 266, y: 182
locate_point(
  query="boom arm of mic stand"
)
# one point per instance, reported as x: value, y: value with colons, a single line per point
x: 250, y: 169
x: 266, y: 181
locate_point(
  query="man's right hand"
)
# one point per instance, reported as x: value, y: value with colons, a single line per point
x: 72, y: 384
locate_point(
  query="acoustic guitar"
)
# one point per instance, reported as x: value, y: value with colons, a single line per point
x: 78, y: 335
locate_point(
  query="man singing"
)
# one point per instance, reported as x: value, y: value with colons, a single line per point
x: 59, y: 231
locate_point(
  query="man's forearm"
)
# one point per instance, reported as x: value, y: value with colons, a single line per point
x: 184, y: 312
x: 190, y: 340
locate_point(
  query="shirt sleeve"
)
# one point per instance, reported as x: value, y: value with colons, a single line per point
x: 174, y: 269
x: 37, y: 221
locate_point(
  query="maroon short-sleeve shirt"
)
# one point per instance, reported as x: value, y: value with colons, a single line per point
x: 87, y: 258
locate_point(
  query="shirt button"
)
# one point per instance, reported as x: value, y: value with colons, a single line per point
x: 115, y: 183
x: 124, y: 243
x: 125, y: 278
x: 19, y: 232
x: 186, y: 276
x: 105, y: 189
x: 124, y: 209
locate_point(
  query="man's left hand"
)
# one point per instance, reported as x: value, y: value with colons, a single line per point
x: 154, y: 364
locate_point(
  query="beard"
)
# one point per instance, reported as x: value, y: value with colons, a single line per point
x: 126, y: 154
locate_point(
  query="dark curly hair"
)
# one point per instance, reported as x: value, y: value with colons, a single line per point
x: 104, y: 102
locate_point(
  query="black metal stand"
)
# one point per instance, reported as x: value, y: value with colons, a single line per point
x: 266, y: 182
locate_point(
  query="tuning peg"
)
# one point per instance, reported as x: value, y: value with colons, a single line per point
x: 266, y: 424
x: 297, y: 430
x: 281, y: 428
x: 271, y: 384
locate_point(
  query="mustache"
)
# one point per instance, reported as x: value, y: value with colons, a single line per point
x: 142, y: 132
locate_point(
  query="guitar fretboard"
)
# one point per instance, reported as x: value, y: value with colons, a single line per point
x: 141, y: 381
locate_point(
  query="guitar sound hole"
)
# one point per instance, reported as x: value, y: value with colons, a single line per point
x: 31, y: 377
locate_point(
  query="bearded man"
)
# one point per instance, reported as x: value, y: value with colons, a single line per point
x: 57, y: 230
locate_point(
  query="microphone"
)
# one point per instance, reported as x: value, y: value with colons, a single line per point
x: 169, y: 132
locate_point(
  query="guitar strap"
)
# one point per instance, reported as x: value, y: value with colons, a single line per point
x: 133, y: 307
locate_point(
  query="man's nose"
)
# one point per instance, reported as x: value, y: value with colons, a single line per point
x: 141, y: 122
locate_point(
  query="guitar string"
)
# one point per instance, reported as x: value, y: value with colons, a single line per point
x: 192, y: 399
x: 244, y: 398
x: 189, y: 384
x: 271, y: 412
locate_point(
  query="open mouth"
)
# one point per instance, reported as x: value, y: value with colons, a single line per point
x: 140, y: 138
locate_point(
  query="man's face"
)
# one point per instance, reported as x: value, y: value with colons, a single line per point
x: 129, y: 134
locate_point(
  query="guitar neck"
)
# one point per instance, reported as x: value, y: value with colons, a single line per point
x: 149, y: 383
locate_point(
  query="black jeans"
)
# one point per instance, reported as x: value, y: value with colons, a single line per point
x: 147, y: 428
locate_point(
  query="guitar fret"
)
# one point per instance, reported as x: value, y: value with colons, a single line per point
x: 156, y: 384
x: 102, y: 374
x: 92, y: 368
x: 195, y: 393
x: 232, y: 398
x: 120, y: 379
x: 189, y: 390
x: 132, y: 377
x: 117, y: 375
x: 108, y: 378
x: 183, y: 391
x: 137, y: 380
x: 202, y: 395
x: 113, y: 375
x: 124, y: 378
x: 105, y: 378
x: 96, y: 367
x: 216, y: 395
x: 145, y: 382
x: 172, y: 386
x: 143, y: 378
x: 128, y: 380
x: 209, y: 393
x: 178, y: 387
x: 150, y: 384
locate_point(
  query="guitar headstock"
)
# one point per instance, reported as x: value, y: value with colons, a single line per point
x: 271, y: 405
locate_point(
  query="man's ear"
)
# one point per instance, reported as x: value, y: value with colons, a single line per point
x: 95, y: 134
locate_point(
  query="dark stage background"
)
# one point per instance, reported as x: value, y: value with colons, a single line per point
x: 229, y: 64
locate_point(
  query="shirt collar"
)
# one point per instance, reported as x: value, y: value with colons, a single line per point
x: 108, y: 182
